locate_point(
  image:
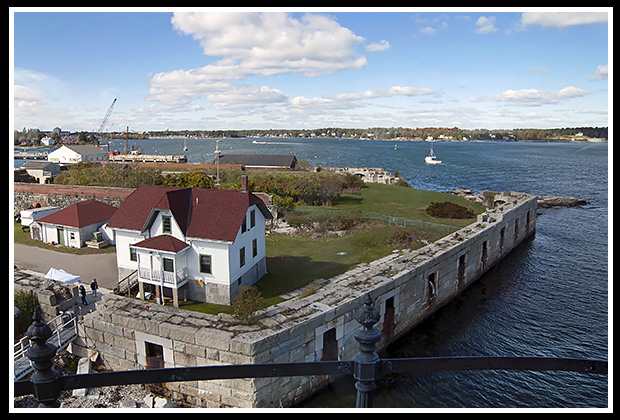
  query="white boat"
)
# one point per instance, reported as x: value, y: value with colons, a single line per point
x: 185, y: 145
x: 431, y: 159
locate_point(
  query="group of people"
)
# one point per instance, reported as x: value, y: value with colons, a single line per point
x: 93, y: 286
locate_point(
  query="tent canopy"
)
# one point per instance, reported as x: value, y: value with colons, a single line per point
x: 61, y: 276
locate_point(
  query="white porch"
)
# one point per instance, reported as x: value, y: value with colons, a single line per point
x: 162, y: 267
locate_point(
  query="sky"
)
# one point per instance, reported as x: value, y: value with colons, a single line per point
x: 220, y: 69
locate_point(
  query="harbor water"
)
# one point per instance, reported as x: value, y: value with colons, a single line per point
x: 548, y: 298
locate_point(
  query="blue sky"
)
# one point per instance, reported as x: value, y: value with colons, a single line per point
x: 272, y: 68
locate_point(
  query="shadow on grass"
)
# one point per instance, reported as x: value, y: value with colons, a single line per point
x: 287, y: 273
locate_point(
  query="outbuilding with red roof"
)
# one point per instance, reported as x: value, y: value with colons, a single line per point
x: 73, y: 225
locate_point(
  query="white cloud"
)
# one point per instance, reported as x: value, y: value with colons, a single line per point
x: 562, y: 19
x: 427, y: 30
x: 539, y: 70
x: 393, y: 91
x: 378, y: 46
x: 533, y: 97
x: 600, y: 73
x: 485, y: 25
x: 266, y: 44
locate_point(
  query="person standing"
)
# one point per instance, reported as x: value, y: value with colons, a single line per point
x: 83, y: 294
x: 94, y: 286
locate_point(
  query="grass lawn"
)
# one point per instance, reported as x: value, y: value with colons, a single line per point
x: 295, y: 261
x: 404, y: 202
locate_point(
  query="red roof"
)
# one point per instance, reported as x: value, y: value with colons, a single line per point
x: 163, y: 243
x: 81, y: 214
x: 200, y: 213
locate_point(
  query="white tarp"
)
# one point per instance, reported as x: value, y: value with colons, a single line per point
x: 61, y: 275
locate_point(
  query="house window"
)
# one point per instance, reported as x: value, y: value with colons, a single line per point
x: 166, y: 224
x: 243, y: 225
x: 205, y: 264
x: 169, y: 265
x: 133, y: 256
x: 254, y: 248
x: 253, y: 218
x: 242, y: 257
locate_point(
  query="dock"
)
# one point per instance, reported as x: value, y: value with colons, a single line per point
x: 30, y: 155
x: 147, y: 158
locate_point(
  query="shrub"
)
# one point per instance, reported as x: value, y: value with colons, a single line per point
x: 248, y: 301
x: 449, y: 210
x: 26, y: 302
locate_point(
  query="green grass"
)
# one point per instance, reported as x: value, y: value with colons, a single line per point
x: 404, y: 202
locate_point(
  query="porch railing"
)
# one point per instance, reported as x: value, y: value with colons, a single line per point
x: 366, y: 367
x: 168, y: 278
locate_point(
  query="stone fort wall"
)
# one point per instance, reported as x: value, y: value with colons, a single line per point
x: 406, y: 286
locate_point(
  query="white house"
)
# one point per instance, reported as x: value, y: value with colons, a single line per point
x: 193, y: 243
x: 73, y: 225
x: 78, y: 153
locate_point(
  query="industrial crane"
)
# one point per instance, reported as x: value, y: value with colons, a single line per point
x: 104, y: 121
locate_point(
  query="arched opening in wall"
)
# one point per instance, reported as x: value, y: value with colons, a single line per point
x: 527, y: 222
x: 501, y: 239
x: 432, y: 287
x: 330, y: 345
x: 461, y: 270
x: 516, y: 229
x: 483, y: 258
x: 388, y: 318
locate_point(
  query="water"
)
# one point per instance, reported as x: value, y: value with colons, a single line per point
x: 548, y: 298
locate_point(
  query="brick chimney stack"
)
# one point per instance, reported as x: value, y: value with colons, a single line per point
x: 244, y: 183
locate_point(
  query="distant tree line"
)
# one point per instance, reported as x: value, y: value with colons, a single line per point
x: 372, y: 133
x: 393, y: 133
x: 287, y: 188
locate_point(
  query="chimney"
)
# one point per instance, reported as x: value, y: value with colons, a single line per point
x: 244, y: 183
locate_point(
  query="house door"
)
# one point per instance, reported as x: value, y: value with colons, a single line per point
x: 154, y: 355
x: 154, y: 360
x: 61, y: 236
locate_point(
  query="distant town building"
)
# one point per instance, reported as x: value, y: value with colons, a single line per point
x: 260, y: 161
x: 47, y: 141
x: 43, y: 171
x: 78, y: 153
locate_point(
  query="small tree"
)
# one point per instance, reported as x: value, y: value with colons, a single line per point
x: 248, y: 301
x: 26, y: 302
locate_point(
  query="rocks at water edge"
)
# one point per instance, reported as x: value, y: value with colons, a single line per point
x: 544, y: 201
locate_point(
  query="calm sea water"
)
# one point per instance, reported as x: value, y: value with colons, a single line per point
x: 549, y: 297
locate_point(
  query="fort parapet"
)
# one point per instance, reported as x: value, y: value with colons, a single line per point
x: 406, y: 286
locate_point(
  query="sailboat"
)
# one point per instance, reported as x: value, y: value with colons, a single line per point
x: 431, y: 159
x: 185, y: 145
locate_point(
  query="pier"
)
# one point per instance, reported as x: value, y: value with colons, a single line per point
x: 30, y: 155
x: 148, y: 158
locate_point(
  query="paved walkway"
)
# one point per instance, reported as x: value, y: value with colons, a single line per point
x: 99, y: 266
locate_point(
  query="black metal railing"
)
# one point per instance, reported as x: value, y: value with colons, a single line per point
x: 46, y: 382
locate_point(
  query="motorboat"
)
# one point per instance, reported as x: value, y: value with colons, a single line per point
x: 431, y: 159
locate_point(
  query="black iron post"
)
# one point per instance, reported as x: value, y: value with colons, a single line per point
x: 41, y: 353
x: 366, y: 360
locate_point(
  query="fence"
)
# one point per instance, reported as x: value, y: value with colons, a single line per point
x: 46, y: 383
x: 383, y: 218
x: 65, y: 330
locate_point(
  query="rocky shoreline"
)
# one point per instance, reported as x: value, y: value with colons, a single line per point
x: 544, y: 201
